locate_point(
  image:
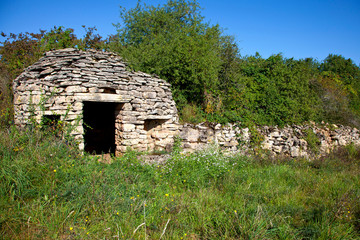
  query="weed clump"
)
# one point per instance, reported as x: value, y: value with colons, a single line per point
x: 312, y: 140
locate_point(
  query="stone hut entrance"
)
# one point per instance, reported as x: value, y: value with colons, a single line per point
x: 99, y: 127
x: 108, y: 107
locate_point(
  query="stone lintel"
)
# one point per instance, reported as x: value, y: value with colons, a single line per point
x: 102, y: 97
x: 156, y: 117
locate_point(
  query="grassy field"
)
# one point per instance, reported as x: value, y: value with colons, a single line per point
x: 50, y: 191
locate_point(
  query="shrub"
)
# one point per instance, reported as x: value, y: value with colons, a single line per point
x: 191, y: 114
x: 312, y: 140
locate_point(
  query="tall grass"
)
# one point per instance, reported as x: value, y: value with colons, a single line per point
x: 51, y: 191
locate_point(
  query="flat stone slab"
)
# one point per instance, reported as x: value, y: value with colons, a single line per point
x: 102, y: 97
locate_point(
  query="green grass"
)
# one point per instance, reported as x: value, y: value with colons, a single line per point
x: 50, y: 191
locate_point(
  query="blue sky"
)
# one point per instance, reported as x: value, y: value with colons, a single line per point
x: 299, y: 29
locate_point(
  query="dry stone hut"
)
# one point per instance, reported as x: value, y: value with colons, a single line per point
x: 108, y: 107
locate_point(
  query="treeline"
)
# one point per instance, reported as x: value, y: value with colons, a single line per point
x: 18, y: 51
x: 211, y: 81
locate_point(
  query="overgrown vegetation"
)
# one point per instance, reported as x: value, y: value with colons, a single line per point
x: 207, y: 71
x: 210, y: 80
x: 50, y: 191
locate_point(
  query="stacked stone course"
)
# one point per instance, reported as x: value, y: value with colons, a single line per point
x: 290, y: 140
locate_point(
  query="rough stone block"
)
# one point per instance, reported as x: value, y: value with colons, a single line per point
x: 128, y: 127
x: 76, y: 89
x: 160, y: 134
x: 149, y: 95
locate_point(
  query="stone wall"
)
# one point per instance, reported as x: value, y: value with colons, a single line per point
x: 291, y: 141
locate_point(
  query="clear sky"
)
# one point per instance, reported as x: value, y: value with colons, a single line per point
x: 295, y: 28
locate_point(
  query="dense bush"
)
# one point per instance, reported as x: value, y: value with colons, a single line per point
x: 206, y: 70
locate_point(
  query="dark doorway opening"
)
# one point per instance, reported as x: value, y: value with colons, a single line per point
x: 99, y: 127
x: 152, y: 123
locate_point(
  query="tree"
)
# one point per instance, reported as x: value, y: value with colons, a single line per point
x: 273, y: 91
x: 58, y: 38
x: 91, y: 40
x: 19, y: 51
x: 172, y: 41
x: 340, y: 90
x: 347, y: 70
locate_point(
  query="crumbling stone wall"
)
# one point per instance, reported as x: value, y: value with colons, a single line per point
x: 63, y: 80
x: 291, y: 141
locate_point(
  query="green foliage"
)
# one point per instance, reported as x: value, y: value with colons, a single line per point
x: 173, y: 42
x: 312, y: 140
x: 91, y: 40
x: 344, y: 68
x: 256, y: 138
x: 50, y: 191
x: 18, y: 51
x: 340, y: 88
x: 191, y: 113
x: 274, y: 91
x: 6, y: 107
x: 279, y: 91
x: 177, y: 146
x: 58, y: 38
x: 205, y: 69
x: 197, y: 170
